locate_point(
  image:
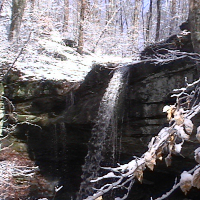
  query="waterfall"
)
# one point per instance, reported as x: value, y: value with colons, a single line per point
x: 103, y: 132
x: 2, y: 109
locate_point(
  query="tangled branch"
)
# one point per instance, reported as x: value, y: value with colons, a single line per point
x: 171, y: 138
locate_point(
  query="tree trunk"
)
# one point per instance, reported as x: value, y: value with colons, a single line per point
x: 158, y: 21
x: 194, y: 21
x: 17, y: 14
x: 81, y: 29
x: 149, y: 21
x: 2, y: 109
x: 173, y: 19
x: 1, y: 5
x: 66, y: 15
x: 135, y: 30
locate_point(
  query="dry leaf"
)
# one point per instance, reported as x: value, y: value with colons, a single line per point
x: 196, y: 179
x: 198, y: 134
x: 139, y: 173
x: 181, y: 133
x: 172, y: 138
x: 186, y: 186
x: 178, y: 117
x: 188, y: 125
x: 170, y: 147
x: 197, y: 154
x: 150, y: 165
x: 168, y: 160
x: 99, y: 198
x: 186, y: 182
x: 159, y: 154
x: 150, y: 160
x: 170, y: 111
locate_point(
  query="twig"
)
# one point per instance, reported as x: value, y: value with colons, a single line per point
x: 5, y: 148
x: 20, y: 52
x: 176, y: 185
x: 105, y: 28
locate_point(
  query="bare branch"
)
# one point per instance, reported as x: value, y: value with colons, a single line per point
x: 176, y: 185
x: 181, y: 126
x: 20, y: 52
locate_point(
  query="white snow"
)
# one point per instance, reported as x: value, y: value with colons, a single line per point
x: 46, y: 57
x: 40, y: 62
x: 197, y: 154
x: 185, y: 176
x: 178, y: 147
x: 109, y: 175
x: 181, y: 133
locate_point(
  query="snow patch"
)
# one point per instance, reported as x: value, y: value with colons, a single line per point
x: 185, y: 176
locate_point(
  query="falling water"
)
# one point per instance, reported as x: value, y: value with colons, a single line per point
x: 104, y: 130
x: 1, y: 108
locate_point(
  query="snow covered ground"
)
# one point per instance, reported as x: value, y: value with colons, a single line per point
x: 52, y: 60
x: 48, y: 58
x: 45, y: 56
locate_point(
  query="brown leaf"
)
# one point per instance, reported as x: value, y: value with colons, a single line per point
x: 159, y: 154
x: 198, y: 136
x: 198, y: 133
x: 150, y: 160
x: 170, y: 112
x: 197, y: 154
x: 178, y: 117
x: 150, y: 164
x: 188, y: 125
x: 168, y: 160
x: 196, y: 179
x: 99, y: 198
x: 186, y: 186
x: 186, y: 182
x: 139, y: 173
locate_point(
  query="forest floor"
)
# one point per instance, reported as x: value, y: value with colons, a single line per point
x: 46, y: 57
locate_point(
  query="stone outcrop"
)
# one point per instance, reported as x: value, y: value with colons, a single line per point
x: 149, y: 89
x: 66, y: 112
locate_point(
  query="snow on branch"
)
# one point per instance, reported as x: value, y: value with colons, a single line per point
x: 186, y: 182
x: 171, y: 138
x: 169, y: 55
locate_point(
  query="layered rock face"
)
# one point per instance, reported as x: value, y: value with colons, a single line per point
x: 66, y: 112
x: 149, y: 89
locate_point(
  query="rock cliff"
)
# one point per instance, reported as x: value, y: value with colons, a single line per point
x: 66, y: 112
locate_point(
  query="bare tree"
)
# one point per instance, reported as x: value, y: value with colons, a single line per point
x: 66, y: 15
x: 194, y: 20
x: 135, y: 22
x: 16, y: 19
x: 149, y: 20
x: 194, y: 23
x: 158, y: 21
x: 173, y: 17
x: 81, y: 27
x: 105, y: 28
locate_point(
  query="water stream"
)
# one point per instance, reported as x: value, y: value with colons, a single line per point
x: 104, y: 133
